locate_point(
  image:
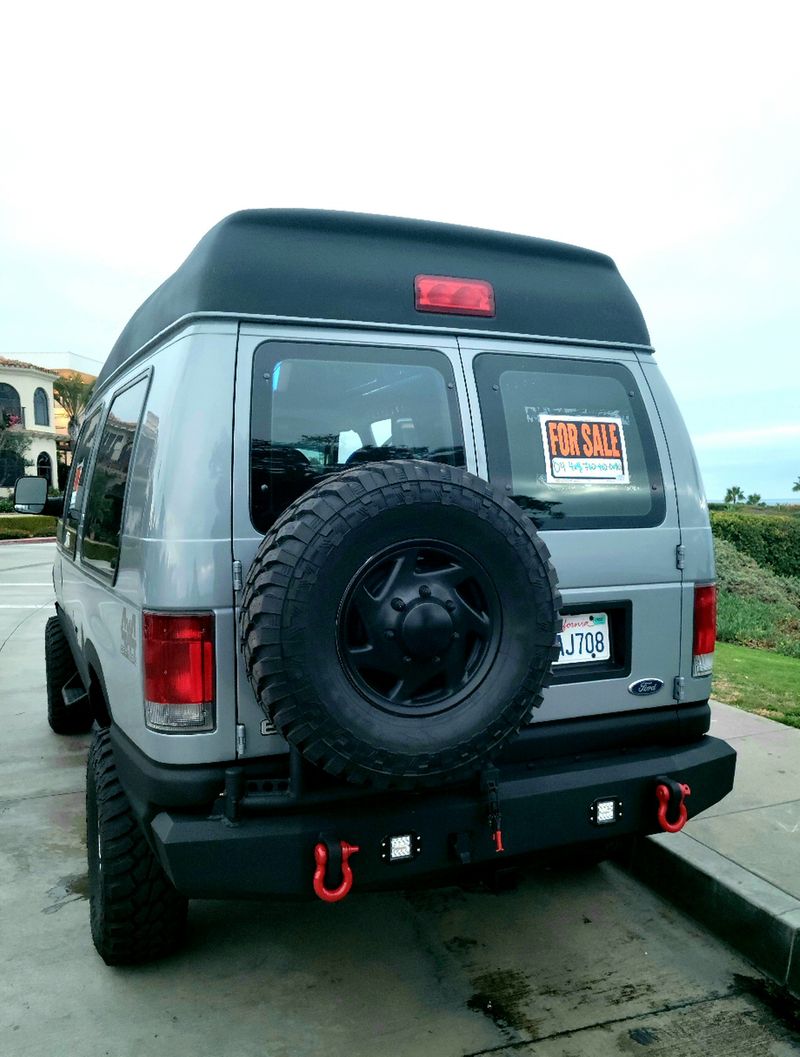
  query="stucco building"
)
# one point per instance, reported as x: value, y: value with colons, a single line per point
x: 26, y: 407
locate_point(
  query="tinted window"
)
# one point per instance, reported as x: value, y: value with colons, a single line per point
x: 318, y: 409
x: 570, y: 440
x: 76, y: 483
x: 10, y: 409
x: 41, y: 414
x: 103, y: 520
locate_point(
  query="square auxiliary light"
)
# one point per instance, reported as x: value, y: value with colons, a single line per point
x: 606, y: 811
x: 400, y: 848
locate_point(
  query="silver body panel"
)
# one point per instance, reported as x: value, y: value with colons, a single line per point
x: 187, y: 518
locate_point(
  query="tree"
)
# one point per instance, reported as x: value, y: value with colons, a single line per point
x: 72, y: 393
x: 753, y: 499
x: 734, y: 494
x: 796, y: 485
x: 13, y: 449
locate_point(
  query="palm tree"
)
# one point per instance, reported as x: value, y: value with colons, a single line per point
x: 734, y: 494
x: 796, y: 485
x: 753, y: 499
x: 72, y: 393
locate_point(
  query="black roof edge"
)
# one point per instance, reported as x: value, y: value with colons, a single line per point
x: 358, y: 269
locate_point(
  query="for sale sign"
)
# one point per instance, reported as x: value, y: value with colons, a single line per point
x: 584, y: 449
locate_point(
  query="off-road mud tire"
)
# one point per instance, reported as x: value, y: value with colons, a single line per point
x: 136, y: 913
x: 59, y: 669
x: 300, y: 575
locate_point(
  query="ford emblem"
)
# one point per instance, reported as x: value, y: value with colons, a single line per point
x: 642, y: 687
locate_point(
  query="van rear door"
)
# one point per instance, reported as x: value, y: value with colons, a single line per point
x: 573, y: 435
x: 311, y: 401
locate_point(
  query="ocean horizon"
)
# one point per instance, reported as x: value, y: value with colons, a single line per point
x: 791, y: 501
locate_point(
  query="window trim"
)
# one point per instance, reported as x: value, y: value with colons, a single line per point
x: 102, y: 574
x: 498, y: 455
x: 326, y: 348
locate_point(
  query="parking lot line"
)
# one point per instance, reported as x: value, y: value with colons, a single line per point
x: 40, y: 606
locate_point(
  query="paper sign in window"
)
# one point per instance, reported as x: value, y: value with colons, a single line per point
x: 583, y: 449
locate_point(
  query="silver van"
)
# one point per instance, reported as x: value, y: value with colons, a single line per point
x: 384, y: 559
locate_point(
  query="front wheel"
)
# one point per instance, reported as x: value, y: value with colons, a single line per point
x: 60, y: 667
x: 136, y: 913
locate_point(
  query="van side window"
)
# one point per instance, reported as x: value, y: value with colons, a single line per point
x: 319, y: 408
x: 76, y: 484
x: 570, y: 440
x: 104, y: 505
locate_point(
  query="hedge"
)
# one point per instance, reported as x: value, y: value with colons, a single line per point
x: 26, y: 526
x: 772, y: 540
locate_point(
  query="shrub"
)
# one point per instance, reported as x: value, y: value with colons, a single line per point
x: 738, y: 573
x: 27, y: 526
x: 750, y: 622
x: 772, y: 540
x: 754, y: 606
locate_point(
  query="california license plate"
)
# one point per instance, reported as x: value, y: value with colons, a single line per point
x: 585, y: 637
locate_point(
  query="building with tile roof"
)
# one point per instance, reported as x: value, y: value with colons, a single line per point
x: 27, y: 408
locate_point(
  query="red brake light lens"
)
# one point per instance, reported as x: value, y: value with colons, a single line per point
x: 705, y: 620
x: 458, y: 297
x: 178, y: 652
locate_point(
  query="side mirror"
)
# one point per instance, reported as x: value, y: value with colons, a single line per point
x: 30, y: 495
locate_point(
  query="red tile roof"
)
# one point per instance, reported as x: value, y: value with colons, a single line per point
x: 5, y: 362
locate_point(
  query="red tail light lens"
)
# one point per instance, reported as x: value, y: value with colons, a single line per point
x: 459, y: 297
x: 178, y: 652
x: 705, y: 629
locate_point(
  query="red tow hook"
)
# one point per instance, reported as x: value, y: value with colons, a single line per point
x: 333, y: 895
x: 665, y: 796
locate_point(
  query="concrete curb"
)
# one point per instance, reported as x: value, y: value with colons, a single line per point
x: 761, y: 921
x: 30, y: 539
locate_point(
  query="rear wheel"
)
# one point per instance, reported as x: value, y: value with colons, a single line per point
x: 136, y: 913
x: 59, y: 669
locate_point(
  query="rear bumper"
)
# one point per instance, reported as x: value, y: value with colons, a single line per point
x: 545, y: 806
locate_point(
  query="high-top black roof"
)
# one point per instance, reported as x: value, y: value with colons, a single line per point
x: 317, y: 264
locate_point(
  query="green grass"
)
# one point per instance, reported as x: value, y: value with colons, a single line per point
x: 758, y: 681
x: 26, y: 526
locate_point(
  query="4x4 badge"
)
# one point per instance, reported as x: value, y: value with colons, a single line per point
x: 642, y: 687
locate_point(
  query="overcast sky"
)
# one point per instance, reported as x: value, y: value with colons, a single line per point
x: 668, y: 137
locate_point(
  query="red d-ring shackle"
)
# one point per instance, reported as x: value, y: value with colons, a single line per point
x: 333, y: 895
x: 663, y: 794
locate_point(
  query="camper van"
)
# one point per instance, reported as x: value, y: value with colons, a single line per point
x: 384, y: 560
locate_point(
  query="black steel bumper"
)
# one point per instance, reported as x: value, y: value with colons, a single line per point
x: 545, y: 806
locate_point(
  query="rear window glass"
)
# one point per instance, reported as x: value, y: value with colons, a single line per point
x: 570, y: 441
x: 318, y: 409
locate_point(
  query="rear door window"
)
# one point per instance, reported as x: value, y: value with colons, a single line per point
x: 318, y: 409
x: 102, y: 522
x: 570, y: 441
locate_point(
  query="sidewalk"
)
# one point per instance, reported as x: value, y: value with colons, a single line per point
x: 736, y: 868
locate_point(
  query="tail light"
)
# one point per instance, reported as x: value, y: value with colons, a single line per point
x: 705, y: 629
x: 178, y: 652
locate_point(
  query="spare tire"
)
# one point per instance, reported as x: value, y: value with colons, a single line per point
x: 399, y: 622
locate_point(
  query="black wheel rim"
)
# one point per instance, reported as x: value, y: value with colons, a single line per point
x: 419, y: 628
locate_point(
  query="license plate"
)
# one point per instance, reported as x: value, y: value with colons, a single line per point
x: 585, y: 637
